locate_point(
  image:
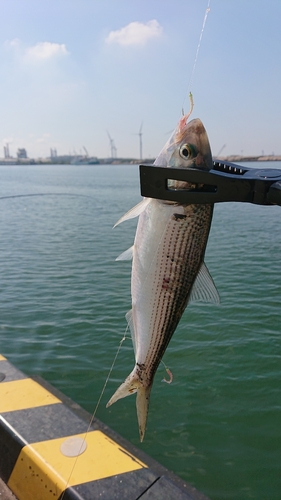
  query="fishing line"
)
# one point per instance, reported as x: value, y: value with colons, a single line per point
x: 124, y: 336
x: 114, y: 359
x: 197, y: 53
x: 95, y: 411
x: 108, y: 376
x: 41, y: 194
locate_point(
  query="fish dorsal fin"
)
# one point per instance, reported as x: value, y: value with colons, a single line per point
x: 129, y: 318
x: 127, y: 255
x: 135, y: 211
x: 204, y: 289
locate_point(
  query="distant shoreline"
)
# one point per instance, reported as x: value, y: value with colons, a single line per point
x: 68, y: 160
x: 243, y: 159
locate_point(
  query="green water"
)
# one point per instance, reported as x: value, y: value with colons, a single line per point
x: 62, y: 304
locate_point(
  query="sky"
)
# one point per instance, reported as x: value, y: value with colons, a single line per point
x: 72, y: 71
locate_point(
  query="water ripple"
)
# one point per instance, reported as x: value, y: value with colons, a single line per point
x: 63, y: 300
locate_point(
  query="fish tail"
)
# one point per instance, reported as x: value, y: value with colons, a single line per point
x: 142, y: 403
x: 133, y: 384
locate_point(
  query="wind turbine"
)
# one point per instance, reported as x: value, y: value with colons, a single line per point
x: 140, y: 136
x: 113, y: 148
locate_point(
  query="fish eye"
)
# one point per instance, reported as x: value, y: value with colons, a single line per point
x: 187, y: 151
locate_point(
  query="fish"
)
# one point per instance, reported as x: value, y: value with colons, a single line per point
x: 168, y: 269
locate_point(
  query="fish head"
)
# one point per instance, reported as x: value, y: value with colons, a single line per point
x: 188, y: 147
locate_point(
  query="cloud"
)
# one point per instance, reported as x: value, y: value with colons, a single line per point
x: 135, y: 33
x: 12, y: 44
x: 41, y: 52
x: 45, y: 50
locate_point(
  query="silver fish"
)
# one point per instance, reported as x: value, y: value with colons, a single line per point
x: 168, y: 269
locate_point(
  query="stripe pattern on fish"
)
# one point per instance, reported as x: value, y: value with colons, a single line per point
x: 168, y: 269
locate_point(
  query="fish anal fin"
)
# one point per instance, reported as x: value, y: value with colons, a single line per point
x: 134, y: 212
x: 204, y: 288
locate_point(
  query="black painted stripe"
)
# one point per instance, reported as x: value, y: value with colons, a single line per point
x: 33, y: 466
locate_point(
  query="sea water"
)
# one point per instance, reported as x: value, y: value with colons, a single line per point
x: 63, y: 300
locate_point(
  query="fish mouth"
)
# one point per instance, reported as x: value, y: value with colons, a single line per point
x: 194, y: 129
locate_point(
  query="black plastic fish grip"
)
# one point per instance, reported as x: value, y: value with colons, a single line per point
x: 224, y: 182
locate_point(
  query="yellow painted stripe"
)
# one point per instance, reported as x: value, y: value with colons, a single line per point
x: 2, y: 358
x: 22, y: 394
x: 42, y: 472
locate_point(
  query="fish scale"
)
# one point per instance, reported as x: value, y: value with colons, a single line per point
x: 170, y: 302
x: 168, y: 267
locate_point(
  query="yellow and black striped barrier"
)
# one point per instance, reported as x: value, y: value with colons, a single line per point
x: 41, y: 435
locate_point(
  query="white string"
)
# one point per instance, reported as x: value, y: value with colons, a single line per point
x: 124, y: 336
x: 95, y: 411
x: 197, y: 53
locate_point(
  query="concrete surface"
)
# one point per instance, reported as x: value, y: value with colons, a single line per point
x: 5, y: 492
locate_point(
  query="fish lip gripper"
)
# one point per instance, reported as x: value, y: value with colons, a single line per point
x: 225, y: 182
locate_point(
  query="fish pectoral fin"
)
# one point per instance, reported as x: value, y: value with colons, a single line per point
x: 127, y: 255
x: 204, y: 288
x: 129, y: 318
x: 134, y: 212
